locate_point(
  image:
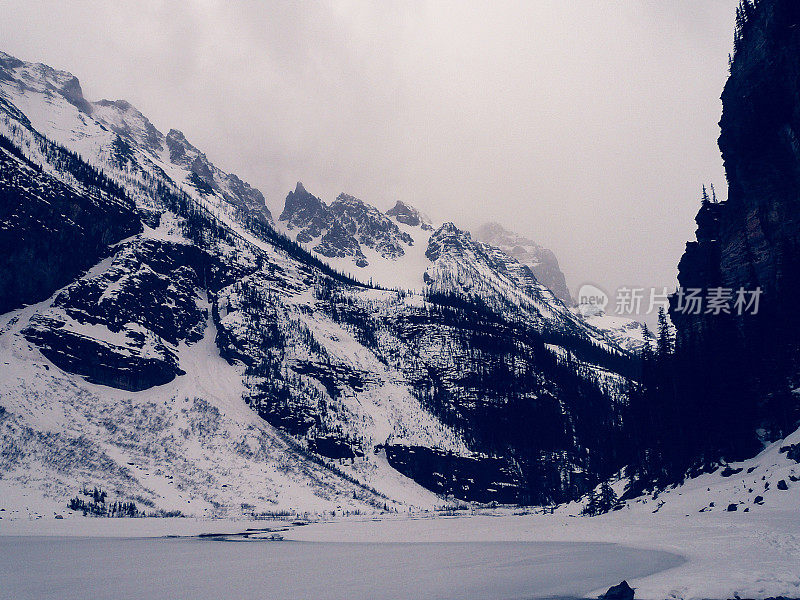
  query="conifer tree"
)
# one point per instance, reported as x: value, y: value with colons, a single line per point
x: 608, y: 498
x: 666, y: 342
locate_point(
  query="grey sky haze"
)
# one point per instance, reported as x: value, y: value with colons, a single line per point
x: 587, y: 126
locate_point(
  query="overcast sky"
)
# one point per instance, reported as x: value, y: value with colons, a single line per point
x: 588, y: 126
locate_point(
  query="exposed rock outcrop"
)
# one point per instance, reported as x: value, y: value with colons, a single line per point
x: 121, y: 327
x: 408, y: 215
x: 134, y: 359
x: 542, y: 262
x: 477, y: 478
x: 343, y: 229
x: 751, y: 362
x: 50, y: 231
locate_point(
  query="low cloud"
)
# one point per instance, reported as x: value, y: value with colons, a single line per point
x: 588, y: 126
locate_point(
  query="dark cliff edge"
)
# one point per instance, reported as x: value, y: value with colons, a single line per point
x: 51, y: 232
x: 743, y: 369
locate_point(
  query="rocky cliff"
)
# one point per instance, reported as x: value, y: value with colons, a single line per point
x: 748, y: 364
x: 49, y: 232
x: 217, y: 350
x: 542, y: 261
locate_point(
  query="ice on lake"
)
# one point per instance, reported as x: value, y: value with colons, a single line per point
x: 184, y: 568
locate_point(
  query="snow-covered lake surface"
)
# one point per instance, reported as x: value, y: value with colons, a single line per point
x: 154, y: 568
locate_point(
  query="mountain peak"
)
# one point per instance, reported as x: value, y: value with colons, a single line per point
x: 400, y: 207
x: 177, y: 135
x: 304, y: 211
x: 39, y: 77
x: 450, y: 228
x: 408, y: 215
x: 540, y: 260
x: 348, y: 199
x: 447, y: 237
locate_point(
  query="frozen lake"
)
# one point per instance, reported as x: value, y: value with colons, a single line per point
x: 66, y: 568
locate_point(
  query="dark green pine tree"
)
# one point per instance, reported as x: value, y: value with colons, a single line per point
x: 608, y: 500
x: 704, y: 198
x: 592, y: 507
x: 666, y: 341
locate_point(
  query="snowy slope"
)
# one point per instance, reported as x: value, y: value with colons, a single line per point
x: 628, y: 333
x: 540, y: 260
x: 191, y: 445
x: 116, y: 137
x: 403, y: 273
x: 768, y: 481
x: 372, y: 382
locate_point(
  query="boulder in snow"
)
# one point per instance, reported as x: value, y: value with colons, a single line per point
x: 623, y: 591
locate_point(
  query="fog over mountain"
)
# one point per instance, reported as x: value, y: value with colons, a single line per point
x: 579, y: 125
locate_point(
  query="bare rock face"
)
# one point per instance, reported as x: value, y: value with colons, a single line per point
x: 338, y: 243
x: 480, y: 478
x: 306, y: 212
x: 760, y: 128
x: 135, y: 360
x: 151, y: 283
x: 49, y: 232
x: 371, y: 227
x: 121, y: 327
x: 408, y: 215
x: 542, y: 262
x: 753, y: 239
x: 344, y: 228
x: 448, y: 238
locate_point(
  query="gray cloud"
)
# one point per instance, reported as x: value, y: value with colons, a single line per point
x: 588, y: 126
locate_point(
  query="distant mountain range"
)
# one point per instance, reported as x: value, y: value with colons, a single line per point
x: 166, y: 339
x: 540, y: 260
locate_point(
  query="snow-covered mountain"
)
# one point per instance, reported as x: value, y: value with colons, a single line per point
x: 187, y: 343
x: 392, y: 249
x: 407, y: 252
x: 628, y: 333
x: 344, y: 229
x: 355, y: 237
x: 540, y: 260
x: 117, y: 137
